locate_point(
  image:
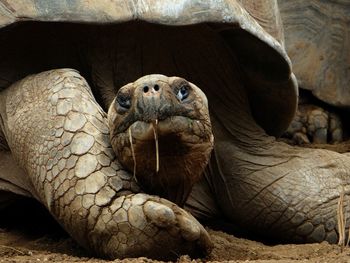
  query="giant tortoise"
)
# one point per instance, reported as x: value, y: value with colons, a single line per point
x: 56, y: 139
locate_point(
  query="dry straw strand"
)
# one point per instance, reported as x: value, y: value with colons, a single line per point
x: 155, y: 133
x: 133, y: 153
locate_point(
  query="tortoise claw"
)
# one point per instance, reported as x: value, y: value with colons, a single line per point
x: 144, y: 225
x: 312, y: 124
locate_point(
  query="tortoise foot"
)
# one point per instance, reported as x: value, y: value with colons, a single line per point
x: 313, y: 124
x: 150, y: 226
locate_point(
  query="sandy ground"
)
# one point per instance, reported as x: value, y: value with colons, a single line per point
x: 16, y: 247
x: 32, y: 236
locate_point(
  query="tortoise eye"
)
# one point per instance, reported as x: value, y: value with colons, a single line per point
x: 123, y: 102
x: 183, y: 92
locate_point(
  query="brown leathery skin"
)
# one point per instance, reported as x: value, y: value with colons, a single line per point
x: 157, y: 113
x: 287, y: 193
x: 62, y: 142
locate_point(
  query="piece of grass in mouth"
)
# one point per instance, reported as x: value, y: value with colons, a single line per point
x: 155, y: 133
x: 132, y: 153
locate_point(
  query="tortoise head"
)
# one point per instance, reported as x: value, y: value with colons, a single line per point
x: 198, y: 40
x: 160, y: 130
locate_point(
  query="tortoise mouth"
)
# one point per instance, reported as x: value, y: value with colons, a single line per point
x: 142, y: 130
x: 166, y: 157
x: 172, y: 126
x: 174, y: 136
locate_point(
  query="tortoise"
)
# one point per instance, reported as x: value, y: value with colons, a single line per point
x: 317, y: 41
x: 56, y: 140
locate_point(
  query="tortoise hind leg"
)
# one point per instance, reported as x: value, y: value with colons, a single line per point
x: 315, y: 123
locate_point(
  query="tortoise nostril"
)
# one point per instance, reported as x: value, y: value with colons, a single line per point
x: 156, y: 87
x: 145, y: 89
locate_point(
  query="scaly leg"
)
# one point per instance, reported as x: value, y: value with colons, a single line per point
x: 59, y: 136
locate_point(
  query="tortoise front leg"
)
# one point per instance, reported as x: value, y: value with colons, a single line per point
x: 58, y: 134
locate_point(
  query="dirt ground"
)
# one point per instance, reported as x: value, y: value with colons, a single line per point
x: 32, y: 236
